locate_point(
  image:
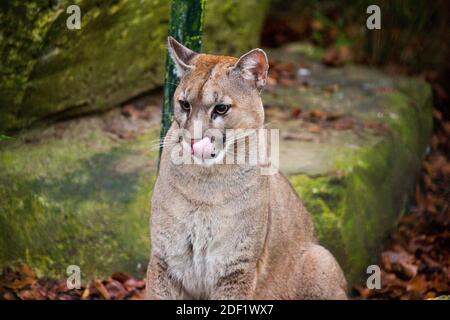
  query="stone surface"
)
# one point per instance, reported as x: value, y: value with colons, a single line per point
x: 78, y: 192
x: 356, y: 170
x: 119, y: 52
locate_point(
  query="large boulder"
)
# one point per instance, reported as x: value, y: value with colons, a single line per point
x: 352, y: 144
x: 78, y: 193
x: 49, y: 70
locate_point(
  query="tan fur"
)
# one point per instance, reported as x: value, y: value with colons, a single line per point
x: 226, y: 231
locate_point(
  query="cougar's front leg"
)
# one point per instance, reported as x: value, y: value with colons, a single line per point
x: 159, y: 285
x: 322, y: 276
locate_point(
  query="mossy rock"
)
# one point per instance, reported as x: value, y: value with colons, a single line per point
x: 119, y: 52
x: 78, y: 193
x: 354, y: 179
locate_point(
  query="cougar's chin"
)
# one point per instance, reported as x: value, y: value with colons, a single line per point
x: 218, y: 159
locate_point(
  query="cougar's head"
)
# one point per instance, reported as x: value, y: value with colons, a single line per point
x: 215, y: 94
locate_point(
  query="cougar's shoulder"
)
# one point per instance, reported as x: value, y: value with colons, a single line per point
x: 288, y: 210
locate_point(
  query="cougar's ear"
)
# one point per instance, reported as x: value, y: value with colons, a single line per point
x: 181, y: 56
x: 253, y: 66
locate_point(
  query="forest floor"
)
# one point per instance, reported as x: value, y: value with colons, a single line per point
x: 415, y: 263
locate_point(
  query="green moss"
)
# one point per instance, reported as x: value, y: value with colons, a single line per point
x: 352, y: 214
x: 115, y: 55
x: 20, y: 42
x: 118, y: 53
x: 81, y: 199
x: 232, y: 27
x: 442, y: 298
x: 323, y: 196
x: 307, y: 50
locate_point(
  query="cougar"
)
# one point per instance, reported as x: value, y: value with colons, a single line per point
x: 226, y: 231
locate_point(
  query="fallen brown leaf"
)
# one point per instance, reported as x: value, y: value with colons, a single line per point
x: 101, y: 289
x: 116, y: 290
x: 417, y: 285
x: 314, y: 129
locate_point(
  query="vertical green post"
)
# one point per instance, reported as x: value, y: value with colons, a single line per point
x: 186, y: 26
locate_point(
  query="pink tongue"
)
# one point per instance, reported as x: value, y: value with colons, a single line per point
x: 203, y: 148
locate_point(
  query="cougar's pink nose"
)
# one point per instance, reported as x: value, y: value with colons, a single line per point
x: 203, y: 148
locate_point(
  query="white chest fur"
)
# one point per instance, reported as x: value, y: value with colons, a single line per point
x: 201, y: 226
x: 196, y: 259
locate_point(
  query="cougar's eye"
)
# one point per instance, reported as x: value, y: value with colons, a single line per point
x: 221, y: 109
x: 185, y: 105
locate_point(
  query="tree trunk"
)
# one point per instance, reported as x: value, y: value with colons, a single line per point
x: 186, y: 25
